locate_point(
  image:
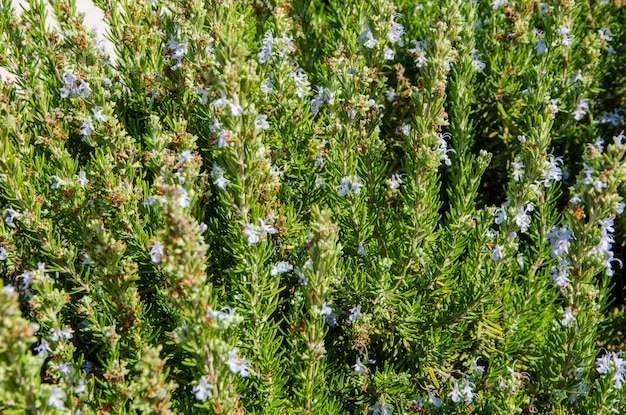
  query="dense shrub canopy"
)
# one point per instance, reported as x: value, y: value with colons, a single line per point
x: 313, y: 207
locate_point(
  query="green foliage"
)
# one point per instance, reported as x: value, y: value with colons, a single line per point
x: 312, y: 207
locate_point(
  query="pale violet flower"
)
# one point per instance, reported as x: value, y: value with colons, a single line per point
x: 434, y: 400
x: 183, y: 198
x: 355, y: 312
x: 540, y: 47
x: 568, y: 317
x: 389, y: 53
x: 82, y: 387
x: 253, y: 236
x: 218, y: 174
x: 370, y: 41
x: 395, y: 181
x: 478, y: 64
x: 496, y: 253
x: 476, y: 368
x: 559, y: 239
x: 564, y: 32
x: 237, y: 364
x: 396, y: 30
x: 86, y: 127
x: 605, y: 34
x: 496, y: 4
x: 3, y: 253
x: 43, y: 349
x: 329, y: 314
x: 56, y: 398
x: 612, y: 362
x: 349, y: 184
x: 360, y: 367
x: 468, y: 391
x: 99, y: 115
x: 9, y: 215
x: 456, y: 394
x: 381, y: 408
x: 82, y: 178
x: 280, y: 267
x: 156, y: 252
x: 361, y: 249
x: 221, y: 101
x: 261, y: 122
x: 235, y: 108
x: 57, y: 182
x: 419, y: 53
x: 581, y: 109
x: 266, y: 50
x: 83, y: 89
x: 65, y: 368
x: 203, y: 95
x: 201, y: 390
x: 518, y: 169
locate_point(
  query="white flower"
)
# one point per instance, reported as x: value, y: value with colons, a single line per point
x: 56, y: 397
x: 156, y: 252
x: 201, y: 390
x: 3, y: 253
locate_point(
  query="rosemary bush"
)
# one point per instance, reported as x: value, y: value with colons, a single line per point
x: 313, y: 207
